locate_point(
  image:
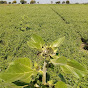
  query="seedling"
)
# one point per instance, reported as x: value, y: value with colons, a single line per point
x: 23, y: 70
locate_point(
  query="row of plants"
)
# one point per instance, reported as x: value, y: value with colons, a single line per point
x: 43, y: 21
x: 34, y: 75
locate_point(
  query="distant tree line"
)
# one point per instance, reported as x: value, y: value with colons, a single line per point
x: 34, y: 2
x: 3, y: 2
x: 66, y: 2
x: 21, y: 1
x: 31, y: 2
x: 63, y: 2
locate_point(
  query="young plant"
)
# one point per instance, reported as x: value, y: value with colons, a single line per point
x: 22, y: 69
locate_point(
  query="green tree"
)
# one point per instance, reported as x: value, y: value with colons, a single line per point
x: 67, y: 2
x: 14, y: 2
x: 3, y: 2
x: 58, y: 2
x: 9, y: 2
x: 51, y: 2
x: 23, y: 1
x: 37, y: 2
x: 32, y: 2
x: 63, y: 2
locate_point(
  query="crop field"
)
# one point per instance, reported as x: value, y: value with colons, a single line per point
x: 19, y: 22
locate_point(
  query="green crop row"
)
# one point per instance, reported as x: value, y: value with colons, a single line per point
x: 19, y: 22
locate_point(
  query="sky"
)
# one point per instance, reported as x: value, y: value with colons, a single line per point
x: 49, y: 1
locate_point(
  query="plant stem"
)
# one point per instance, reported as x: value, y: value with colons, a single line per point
x: 44, y: 73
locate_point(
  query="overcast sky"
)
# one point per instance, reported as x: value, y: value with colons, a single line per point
x: 49, y: 1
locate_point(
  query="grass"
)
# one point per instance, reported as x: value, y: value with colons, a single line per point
x: 19, y: 22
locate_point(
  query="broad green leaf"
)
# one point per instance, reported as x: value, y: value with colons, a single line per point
x: 69, y: 86
x: 8, y: 85
x: 76, y: 65
x: 65, y: 69
x: 59, y: 61
x: 80, y: 73
x: 70, y: 70
x: 60, y: 84
x: 20, y: 69
x: 37, y: 39
x: 36, y: 42
x: 33, y: 45
x: 57, y: 42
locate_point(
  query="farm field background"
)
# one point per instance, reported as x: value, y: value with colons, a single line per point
x: 19, y: 22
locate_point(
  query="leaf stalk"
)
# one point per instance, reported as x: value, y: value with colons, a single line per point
x: 44, y: 73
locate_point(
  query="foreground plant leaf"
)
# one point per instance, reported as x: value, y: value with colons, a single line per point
x: 75, y: 64
x: 69, y: 86
x: 8, y: 85
x: 71, y: 70
x: 60, y: 84
x: 20, y: 69
x: 57, y: 42
x: 36, y: 42
x: 70, y: 66
x: 34, y: 45
x: 59, y: 61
